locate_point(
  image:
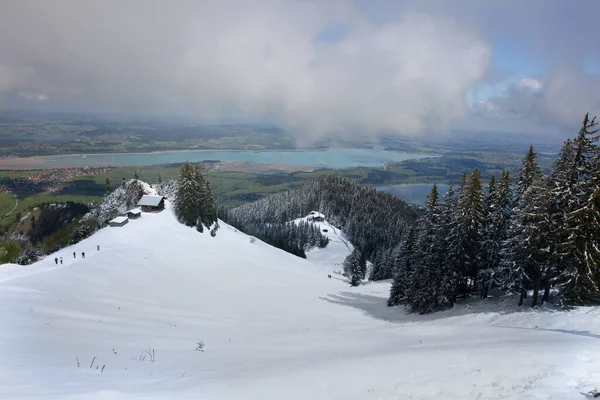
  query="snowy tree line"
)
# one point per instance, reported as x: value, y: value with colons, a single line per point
x: 295, y: 238
x: 373, y: 221
x: 540, y: 233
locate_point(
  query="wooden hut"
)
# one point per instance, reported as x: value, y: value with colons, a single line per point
x: 119, y: 221
x: 316, y: 216
x: 134, y: 214
x: 150, y: 203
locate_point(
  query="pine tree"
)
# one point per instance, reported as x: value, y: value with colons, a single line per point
x: 453, y: 236
x: 495, y: 232
x: 107, y: 186
x: 536, y: 247
x: 403, y: 269
x: 187, y: 201
x: 352, y: 267
x: 207, y: 208
x: 470, y: 217
x: 529, y: 171
x: 564, y: 178
x: 423, y: 294
x: 449, y: 278
x: 514, y: 264
x: 578, y: 248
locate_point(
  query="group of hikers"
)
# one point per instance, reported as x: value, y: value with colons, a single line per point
x: 57, y: 259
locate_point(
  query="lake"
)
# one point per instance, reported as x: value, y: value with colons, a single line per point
x: 414, y: 193
x: 330, y: 158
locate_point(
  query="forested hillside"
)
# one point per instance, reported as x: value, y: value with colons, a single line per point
x: 375, y: 222
x: 538, y: 234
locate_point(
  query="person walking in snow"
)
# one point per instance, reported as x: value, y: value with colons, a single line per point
x: 82, y: 254
x: 98, y: 247
x: 61, y: 260
x: 74, y: 256
x: 56, y: 260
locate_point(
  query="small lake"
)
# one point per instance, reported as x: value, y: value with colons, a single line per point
x: 330, y: 158
x: 414, y: 193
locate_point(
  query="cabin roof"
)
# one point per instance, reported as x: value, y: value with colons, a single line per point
x: 148, y: 200
x: 119, y: 220
x: 316, y: 214
x: 135, y: 211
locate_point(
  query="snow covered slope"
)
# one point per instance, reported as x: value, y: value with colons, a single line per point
x: 336, y: 251
x: 271, y: 325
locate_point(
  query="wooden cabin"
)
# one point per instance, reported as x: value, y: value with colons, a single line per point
x: 315, y: 216
x: 134, y: 214
x: 150, y: 203
x: 119, y: 221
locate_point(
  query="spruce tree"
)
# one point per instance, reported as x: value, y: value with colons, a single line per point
x: 578, y: 248
x: 403, y: 269
x: 207, y: 208
x: 515, y: 262
x: 352, y: 267
x: 564, y: 179
x: 470, y: 217
x: 536, y: 247
x: 449, y: 276
x: 187, y: 202
x: 453, y: 236
x: 423, y: 294
x: 498, y: 211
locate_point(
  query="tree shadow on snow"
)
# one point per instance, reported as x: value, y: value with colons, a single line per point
x: 565, y: 331
x: 373, y: 306
x: 376, y: 307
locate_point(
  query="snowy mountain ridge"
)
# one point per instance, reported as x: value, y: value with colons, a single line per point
x: 163, y: 311
x: 339, y: 245
x: 120, y: 200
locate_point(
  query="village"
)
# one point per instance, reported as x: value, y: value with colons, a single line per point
x: 52, y: 179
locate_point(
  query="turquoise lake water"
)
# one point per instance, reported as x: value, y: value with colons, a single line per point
x: 413, y: 192
x: 330, y: 158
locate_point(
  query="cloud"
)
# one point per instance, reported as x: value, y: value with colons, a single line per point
x: 520, y: 100
x: 260, y: 59
x: 569, y: 94
x: 560, y: 102
x: 314, y: 67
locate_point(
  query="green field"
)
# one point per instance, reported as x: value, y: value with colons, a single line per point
x: 7, y: 203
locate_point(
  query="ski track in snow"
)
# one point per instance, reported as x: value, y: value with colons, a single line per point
x: 273, y: 326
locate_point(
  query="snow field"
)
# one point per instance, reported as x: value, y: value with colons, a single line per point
x: 273, y: 326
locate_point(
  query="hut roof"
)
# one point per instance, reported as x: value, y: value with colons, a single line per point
x: 148, y: 200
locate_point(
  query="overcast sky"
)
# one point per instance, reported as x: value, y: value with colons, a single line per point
x: 329, y: 67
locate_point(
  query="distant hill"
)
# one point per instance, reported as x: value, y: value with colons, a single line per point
x: 373, y: 221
